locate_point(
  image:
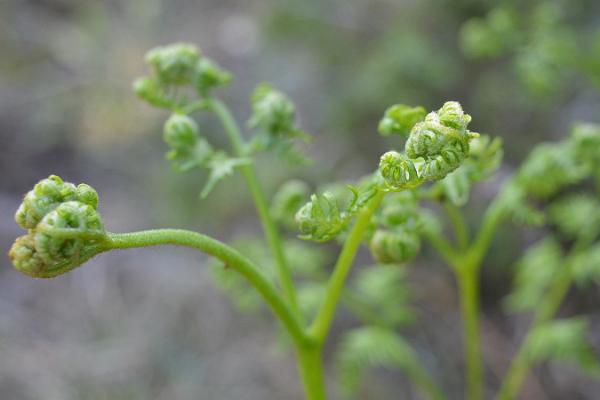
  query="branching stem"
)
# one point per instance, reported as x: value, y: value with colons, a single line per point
x: 269, y: 227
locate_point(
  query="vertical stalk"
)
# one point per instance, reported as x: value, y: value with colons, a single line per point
x: 468, y: 282
x: 310, y: 364
x: 461, y: 228
x: 269, y: 227
x: 322, y: 323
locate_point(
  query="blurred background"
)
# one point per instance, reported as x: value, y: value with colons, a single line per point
x: 152, y: 324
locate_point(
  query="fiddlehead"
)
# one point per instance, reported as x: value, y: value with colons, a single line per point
x: 65, y: 229
x: 175, y: 68
x: 441, y: 141
x: 398, y: 171
x: 435, y: 147
x: 399, y: 120
x: 321, y: 219
x: 394, y: 247
x: 46, y: 195
x: 188, y: 149
x: 173, y: 64
x: 274, y: 115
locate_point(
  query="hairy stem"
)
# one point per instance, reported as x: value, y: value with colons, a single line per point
x: 269, y: 227
x: 232, y: 259
x: 322, y: 323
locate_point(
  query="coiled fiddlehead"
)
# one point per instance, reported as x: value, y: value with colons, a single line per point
x: 442, y: 141
x: 65, y: 230
x: 435, y: 147
x: 399, y: 119
x: 398, y: 171
x: 394, y: 247
x: 175, y: 69
x: 321, y: 219
x: 174, y: 64
x: 188, y: 149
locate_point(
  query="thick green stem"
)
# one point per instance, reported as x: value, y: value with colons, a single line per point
x: 310, y: 364
x: 521, y: 364
x: 468, y: 282
x: 269, y: 227
x: 322, y: 323
x: 232, y: 259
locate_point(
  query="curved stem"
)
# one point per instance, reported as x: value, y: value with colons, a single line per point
x: 232, y: 259
x: 445, y: 249
x: 322, y: 323
x: 269, y: 227
x: 482, y: 241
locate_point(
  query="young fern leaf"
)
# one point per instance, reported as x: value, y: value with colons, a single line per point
x: 576, y: 216
x: 385, y: 294
x: 274, y: 114
x: 370, y: 347
x: 565, y: 341
x: 535, y: 273
x: 549, y: 168
x: 514, y: 203
x: 221, y: 166
x: 323, y: 218
x: 586, y: 266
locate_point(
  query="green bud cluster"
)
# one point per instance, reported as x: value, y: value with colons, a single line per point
x: 435, y: 147
x: 274, y: 115
x: 394, y: 247
x: 399, y: 119
x: 64, y: 228
x: 272, y: 111
x: 175, y: 67
x: 396, y: 239
x: 188, y: 149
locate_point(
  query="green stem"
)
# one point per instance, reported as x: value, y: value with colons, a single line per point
x: 461, y: 229
x: 441, y: 245
x: 468, y: 282
x: 421, y: 378
x: 232, y: 259
x: 310, y: 364
x: 494, y: 215
x: 322, y: 323
x: 269, y: 227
